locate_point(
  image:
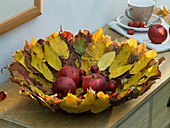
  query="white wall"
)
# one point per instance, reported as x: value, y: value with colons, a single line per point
x: 72, y: 14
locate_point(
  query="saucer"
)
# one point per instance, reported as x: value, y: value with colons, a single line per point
x: 122, y: 20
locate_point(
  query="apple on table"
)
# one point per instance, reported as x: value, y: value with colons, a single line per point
x: 157, y: 33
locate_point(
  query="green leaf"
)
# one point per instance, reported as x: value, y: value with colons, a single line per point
x: 80, y: 43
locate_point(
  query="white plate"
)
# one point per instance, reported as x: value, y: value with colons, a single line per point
x: 123, y: 21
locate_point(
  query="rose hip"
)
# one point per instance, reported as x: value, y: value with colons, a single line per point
x: 136, y: 24
x: 130, y: 24
x: 142, y: 24
x: 82, y: 72
x: 94, y: 69
x: 130, y: 31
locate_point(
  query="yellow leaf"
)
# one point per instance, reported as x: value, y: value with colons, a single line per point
x: 120, y: 70
x: 106, y: 60
x: 86, y: 65
x: 95, y: 50
x: 101, y: 103
x: 37, y: 49
x: 21, y: 59
x: 143, y: 62
x: 70, y: 103
x: 87, y: 103
x: 36, y: 90
x: 141, y: 77
x: 33, y: 42
x: 52, y: 58
x: 97, y: 34
x: 42, y: 68
x: 59, y: 46
x: 150, y: 72
x: 122, y: 58
x: 107, y: 40
x: 132, y: 42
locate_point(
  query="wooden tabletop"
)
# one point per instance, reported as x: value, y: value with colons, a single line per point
x: 19, y: 111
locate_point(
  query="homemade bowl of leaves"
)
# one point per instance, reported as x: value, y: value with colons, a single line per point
x: 85, y: 72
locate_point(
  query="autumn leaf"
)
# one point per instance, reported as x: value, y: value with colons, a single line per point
x: 98, y: 34
x: 120, y: 70
x: 106, y: 60
x: 122, y: 58
x: 87, y: 103
x: 86, y: 65
x: 42, y: 68
x: 137, y: 53
x: 107, y: 40
x: 70, y: 103
x: 21, y: 59
x: 65, y: 35
x: 101, y: 103
x: 52, y: 58
x: 36, y: 90
x: 143, y: 62
x: 142, y: 77
x: 95, y: 50
x: 44, y: 103
x: 18, y: 71
x: 44, y: 84
x: 59, y: 46
x: 114, y: 46
x: 27, y: 47
x: 79, y: 43
x: 37, y: 49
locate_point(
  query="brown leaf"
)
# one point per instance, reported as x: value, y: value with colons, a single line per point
x: 27, y: 47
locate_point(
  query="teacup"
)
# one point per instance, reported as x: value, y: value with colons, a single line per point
x: 140, y: 10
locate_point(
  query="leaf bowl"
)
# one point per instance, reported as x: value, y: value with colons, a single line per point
x: 35, y: 67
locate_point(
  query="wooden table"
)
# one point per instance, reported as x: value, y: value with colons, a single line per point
x: 148, y: 110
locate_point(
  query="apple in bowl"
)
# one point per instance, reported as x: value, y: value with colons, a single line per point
x: 70, y: 72
x: 157, y: 33
x: 96, y: 81
x: 63, y: 85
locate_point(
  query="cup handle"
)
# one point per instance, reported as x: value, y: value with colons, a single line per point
x: 127, y: 12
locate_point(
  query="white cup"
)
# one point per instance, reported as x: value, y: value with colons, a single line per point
x: 139, y: 10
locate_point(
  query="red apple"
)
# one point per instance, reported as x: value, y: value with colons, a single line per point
x: 130, y: 24
x: 157, y: 33
x: 3, y: 95
x: 94, y: 69
x: 96, y: 81
x: 136, y: 24
x: 70, y: 72
x: 130, y: 31
x: 63, y: 85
